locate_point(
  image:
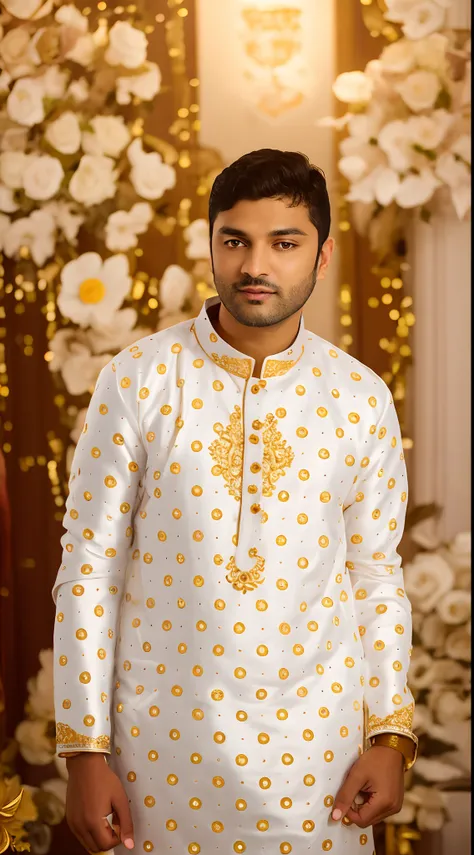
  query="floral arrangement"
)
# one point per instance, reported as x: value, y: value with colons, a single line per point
x: 77, y: 165
x: 438, y: 584
x: 408, y: 120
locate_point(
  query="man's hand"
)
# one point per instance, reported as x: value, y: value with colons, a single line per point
x: 378, y: 777
x: 94, y: 792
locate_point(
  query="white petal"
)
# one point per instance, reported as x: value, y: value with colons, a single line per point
x: 386, y: 186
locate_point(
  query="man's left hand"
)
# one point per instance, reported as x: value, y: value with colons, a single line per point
x: 378, y: 777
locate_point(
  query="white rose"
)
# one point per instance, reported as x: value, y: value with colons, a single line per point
x: 144, y: 86
x: 427, y: 579
x: 70, y: 16
x: 429, y: 131
x: 109, y: 136
x: 455, y: 607
x: 14, y: 51
x: 458, y: 645
x: 54, y: 82
x: 352, y: 167
x: 123, y: 227
x: 386, y: 186
x: 197, y: 237
x: 40, y: 688
x: 127, y: 46
x: 448, y: 707
x: 364, y: 190
x: 353, y: 87
x: 83, y: 50
x: 462, y: 147
x: 28, y: 9
x: 35, y: 746
x: 25, y: 102
x: 421, y: 670
x: 398, y: 57
x: 433, y: 632
x: 42, y: 178
x: 149, y: 175
x: 36, y: 232
x: 64, y: 134
x: 94, y: 180
x: 416, y: 190
x: 420, y: 90
x: 79, y: 90
x: 67, y: 220
x: 12, y: 167
x: 394, y: 140
x: 436, y: 771
x: 397, y: 10
x: 7, y: 202
x: 4, y: 226
x: 460, y: 550
x: 175, y: 286
x: 431, y: 52
x: 425, y: 18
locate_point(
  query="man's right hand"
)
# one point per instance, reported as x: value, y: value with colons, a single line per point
x: 94, y: 792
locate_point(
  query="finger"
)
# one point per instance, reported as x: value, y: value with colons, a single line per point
x: 368, y: 814
x: 122, y: 809
x: 84, y: 838
x: 351, y: 787
x: 103, y: 836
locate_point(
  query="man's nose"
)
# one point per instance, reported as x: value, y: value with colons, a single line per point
x: 255, y: 264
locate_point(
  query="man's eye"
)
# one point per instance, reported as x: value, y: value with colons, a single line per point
x: 232, y: 241
x: 286, y: 244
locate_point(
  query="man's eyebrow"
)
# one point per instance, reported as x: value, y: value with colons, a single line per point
x: 228, y: 230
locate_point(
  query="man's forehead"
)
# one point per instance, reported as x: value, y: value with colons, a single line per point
x: 265, y: 216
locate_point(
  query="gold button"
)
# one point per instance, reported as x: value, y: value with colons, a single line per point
x: 255, y: 389
x: 254, y: 439
x: 262, y: 383
x: 255, y: 467
x: 252, y: 488
x: 257, y: 425
x: 255, y: 508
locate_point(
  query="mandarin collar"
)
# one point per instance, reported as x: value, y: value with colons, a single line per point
x: 237, y: 363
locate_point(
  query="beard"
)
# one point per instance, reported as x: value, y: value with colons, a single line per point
x: 256, y: 313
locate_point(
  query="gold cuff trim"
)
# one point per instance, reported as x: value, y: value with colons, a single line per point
x: 399, y: 721
x: 66, y: 736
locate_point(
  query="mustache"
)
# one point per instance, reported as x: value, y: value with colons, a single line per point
x: 248, y: 281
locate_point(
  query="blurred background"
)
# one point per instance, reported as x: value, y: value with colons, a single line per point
x: 114, y: 122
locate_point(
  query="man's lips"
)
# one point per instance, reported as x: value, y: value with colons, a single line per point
x: 255, y: 289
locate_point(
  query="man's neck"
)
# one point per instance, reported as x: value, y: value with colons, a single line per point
x: 256, y: 342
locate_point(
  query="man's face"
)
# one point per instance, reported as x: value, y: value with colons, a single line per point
x: 264, y: 256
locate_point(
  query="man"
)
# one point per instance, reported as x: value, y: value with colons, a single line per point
x: 231, y: 599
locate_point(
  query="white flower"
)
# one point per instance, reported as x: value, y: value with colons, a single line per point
x: 429, y: 131
x: 40, y: 688
x: 422, y: 669
x: 57, y: 787
x: 7, y: 202
x: 15, y: 54
x: 197, y: 236
x: 123, y: 227
x: 127, y: 46
x: 420, y: 90
x: 4, y: 226
x: 395, y: 142
x: 120, y: 333
x: 455, y: 607
x: 431, y: 52
x: 109, y: 136
x: 460, y: 550
x: 144, y: 86
x: 5, y: 80
x: 424, y: 18
x: 70, y: 16
x: 457, y: 176
x: 35, y: 746
x: 386, y: 186
x: 14, y: 139
x: 435, y: 771
x: 338, y: 123
x: 73, y: 358
x: 64, y: 134
x: 433, y: 632
x: 149, y: 175
x: 447, y: 671
x: 430, y: 804
x: 352, y: 167
x: 398, y: 57
x: 42, y: 177
x: 83, y: 50
x: 458, y: 645
x: 94, y: 180
x: 25, y: 102
x: 462, y: 147
x: 363, y: 127
x: 416, y: 190
x: 364, y: 190
x: 448, y: 707
x: 28, y: 9
x: 36, y: 232
x: 92, y: 289
x: 79, y: 90
x: 12, y: 167
x: 55, y: 82
x: 398, y: 9
x: 427, y: 579
x: 176, y: 285
x: 404, y: 817
x: 67, y: 220
x: 353, y: 87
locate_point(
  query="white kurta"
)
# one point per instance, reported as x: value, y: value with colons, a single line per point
x: 231, y: 599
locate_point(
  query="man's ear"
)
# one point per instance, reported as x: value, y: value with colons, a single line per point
x: 325, y: 257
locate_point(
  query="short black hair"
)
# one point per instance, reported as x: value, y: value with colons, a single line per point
x: 270, y: 173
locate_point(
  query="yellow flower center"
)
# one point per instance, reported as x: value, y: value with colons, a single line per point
x: 91, y: 291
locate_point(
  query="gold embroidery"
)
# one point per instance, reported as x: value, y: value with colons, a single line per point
x: 277, y: 368
x: 277, y: 455
x: 400, y: 720
x: 246, y: 580
x: 227, y: 453
x: 239, y: 367
x: 65, y: 735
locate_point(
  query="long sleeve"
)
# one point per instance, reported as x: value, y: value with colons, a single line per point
x: 374, y: 521
x: 104, y: 488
